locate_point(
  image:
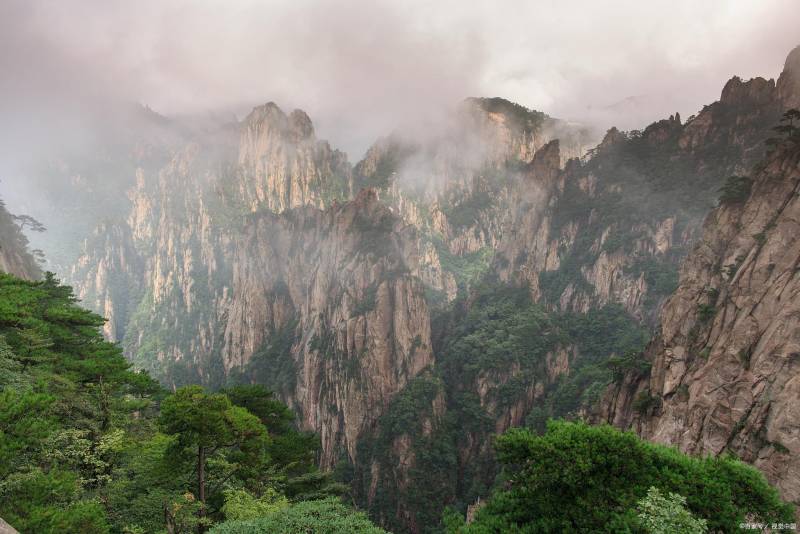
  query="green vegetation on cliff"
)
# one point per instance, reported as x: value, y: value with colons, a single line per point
x: 640, y: 184
x: 579, y: 478
x: 90, y: 446
x: 14, y: 255
x: 521, y: 118
x: 498, y: 352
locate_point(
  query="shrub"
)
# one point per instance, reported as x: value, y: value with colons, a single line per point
x: 705, y: 312
x: 644, y: 402
x: 667, y: 514
x: 581, y: 478
x: 327, y: 516
x: 736, y: 190
x: 240, y: 505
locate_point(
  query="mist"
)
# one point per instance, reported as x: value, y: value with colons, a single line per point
x: 71, y: 70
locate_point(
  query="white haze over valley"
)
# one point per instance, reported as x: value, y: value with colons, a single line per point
x: 363, y: 68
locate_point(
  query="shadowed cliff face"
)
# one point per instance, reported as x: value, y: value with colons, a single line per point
x: 724, y: 361
x: 613, y: 228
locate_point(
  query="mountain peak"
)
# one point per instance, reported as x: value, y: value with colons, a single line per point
x: 612, y: 137
x: 757, y: 90
x: 300, y: 124
x: 518, y: 115
x: 267, y: 125
x: 264, y: 111
x: 793, y: 61
x: 789, y: 81
x: 270, y: 120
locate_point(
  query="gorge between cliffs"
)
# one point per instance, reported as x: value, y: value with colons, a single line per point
x: 501, y: 270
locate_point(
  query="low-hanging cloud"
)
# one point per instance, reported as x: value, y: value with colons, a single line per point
x: 361, y: 68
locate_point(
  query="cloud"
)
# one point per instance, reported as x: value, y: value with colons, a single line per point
x: 362, y: 67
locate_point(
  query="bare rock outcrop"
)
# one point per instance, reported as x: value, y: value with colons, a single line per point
x: 284, y: 165
x: 15, y: 258
x: 788, y: 85
x: 346, y: 279
x: 725, y: 373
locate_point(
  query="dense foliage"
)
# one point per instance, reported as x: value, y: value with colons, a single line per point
x: 579, y: 478
x: 89, y: 446
x: 328, y: 516
x: 66, y: 399
x: 495, y: 349
x: 667, y: 514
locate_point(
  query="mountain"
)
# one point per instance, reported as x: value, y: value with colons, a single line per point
x: 492, y: 272
x: 724, y: 367
x: 721, y: 369
x: 594, y: 249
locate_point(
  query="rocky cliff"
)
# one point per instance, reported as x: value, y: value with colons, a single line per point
x: 598, y: 244
x: 343, y: 284
x: 617, y: 224
x: 789, y: 80
x: 206, y: 282
x: 456, y: 183
x: 725, y: 365
x: 15, y: 258
x: 284, y: 166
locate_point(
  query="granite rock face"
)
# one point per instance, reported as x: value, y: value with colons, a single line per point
x: 724, y: 364
x: 206, y: 273
x: 788, y: 85
x: 588, y: 234
x: 102, y: 277
x: 725, y: 371
x: 346, y: 281
x: 284, y: 166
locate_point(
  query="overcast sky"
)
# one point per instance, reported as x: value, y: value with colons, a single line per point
x: 360, y: 68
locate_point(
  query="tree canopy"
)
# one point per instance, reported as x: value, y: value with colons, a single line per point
x: 581, y: 478
x: 88, y: 445
x: 327, y: 516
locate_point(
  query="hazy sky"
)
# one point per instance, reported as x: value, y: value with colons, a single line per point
x: 359, y: 68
